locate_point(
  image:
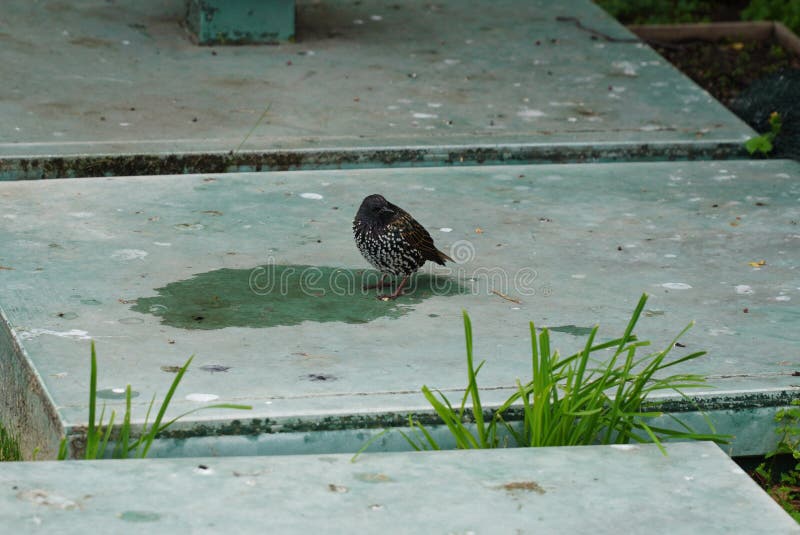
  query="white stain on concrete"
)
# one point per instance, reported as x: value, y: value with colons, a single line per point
x: 528, y: 113
x: 418, y: 115
x: 201, y: 398
x: 74, y: 334
x: 625, y: 67
x: 82, y: 215
x: 676, y: 286
x: 446, y: 229
x: 313, y: 196
x: 624, y: 447
x: 743, y: 289
x: 128, y: 254
x: 722, y: 330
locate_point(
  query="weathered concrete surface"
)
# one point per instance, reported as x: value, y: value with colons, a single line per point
x: 600, y: 489
x: 159, y: 268
x: 118, y: 89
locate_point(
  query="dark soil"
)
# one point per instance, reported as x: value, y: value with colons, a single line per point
x: 725, y: 68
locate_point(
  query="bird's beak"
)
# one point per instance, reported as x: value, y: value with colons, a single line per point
x: 386, y: 210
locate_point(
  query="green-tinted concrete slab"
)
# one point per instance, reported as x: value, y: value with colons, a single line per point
x: 368, y: 83
x: 600, y: 489
x: 258, y: 273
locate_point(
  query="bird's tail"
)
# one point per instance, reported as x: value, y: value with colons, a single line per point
x: 442, y: 258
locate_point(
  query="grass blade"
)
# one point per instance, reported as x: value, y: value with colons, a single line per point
x: 477, y: 409
x: 91, y: 433
x: 367, y: 444
x: 163, y: 409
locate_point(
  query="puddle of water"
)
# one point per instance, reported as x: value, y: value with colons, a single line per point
x: 273, y: 295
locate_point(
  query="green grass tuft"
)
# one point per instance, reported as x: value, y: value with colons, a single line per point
x: 571, y: 401
x: 783, y: 482
x: 9, y: 447
x: 99, y: 434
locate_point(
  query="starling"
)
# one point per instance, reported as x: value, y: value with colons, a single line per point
x: 392, y: 241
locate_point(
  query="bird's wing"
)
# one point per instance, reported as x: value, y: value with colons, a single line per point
x: 416, y: 235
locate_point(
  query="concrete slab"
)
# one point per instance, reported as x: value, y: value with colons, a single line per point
x: 695, y: 489
x: 159, y: 268
x: 97, y: 89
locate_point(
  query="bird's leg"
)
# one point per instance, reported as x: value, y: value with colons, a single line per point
x: 396, y: 292
x: 379, y: 285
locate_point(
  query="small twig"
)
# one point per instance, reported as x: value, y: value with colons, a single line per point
x: 264, y: 114
x: 506, y: 297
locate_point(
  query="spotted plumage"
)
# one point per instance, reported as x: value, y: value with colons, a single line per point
x: 393, y: 241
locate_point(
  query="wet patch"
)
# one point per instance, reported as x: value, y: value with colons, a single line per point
x: 280, y: 295
x: 139, y: 516
x: 215, y: 368
x: 571, y: 329
x: 115, y: 393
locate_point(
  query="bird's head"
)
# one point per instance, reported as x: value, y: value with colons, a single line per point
x: 375, y: 209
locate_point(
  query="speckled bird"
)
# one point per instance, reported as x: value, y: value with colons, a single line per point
x: 393, y: 241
